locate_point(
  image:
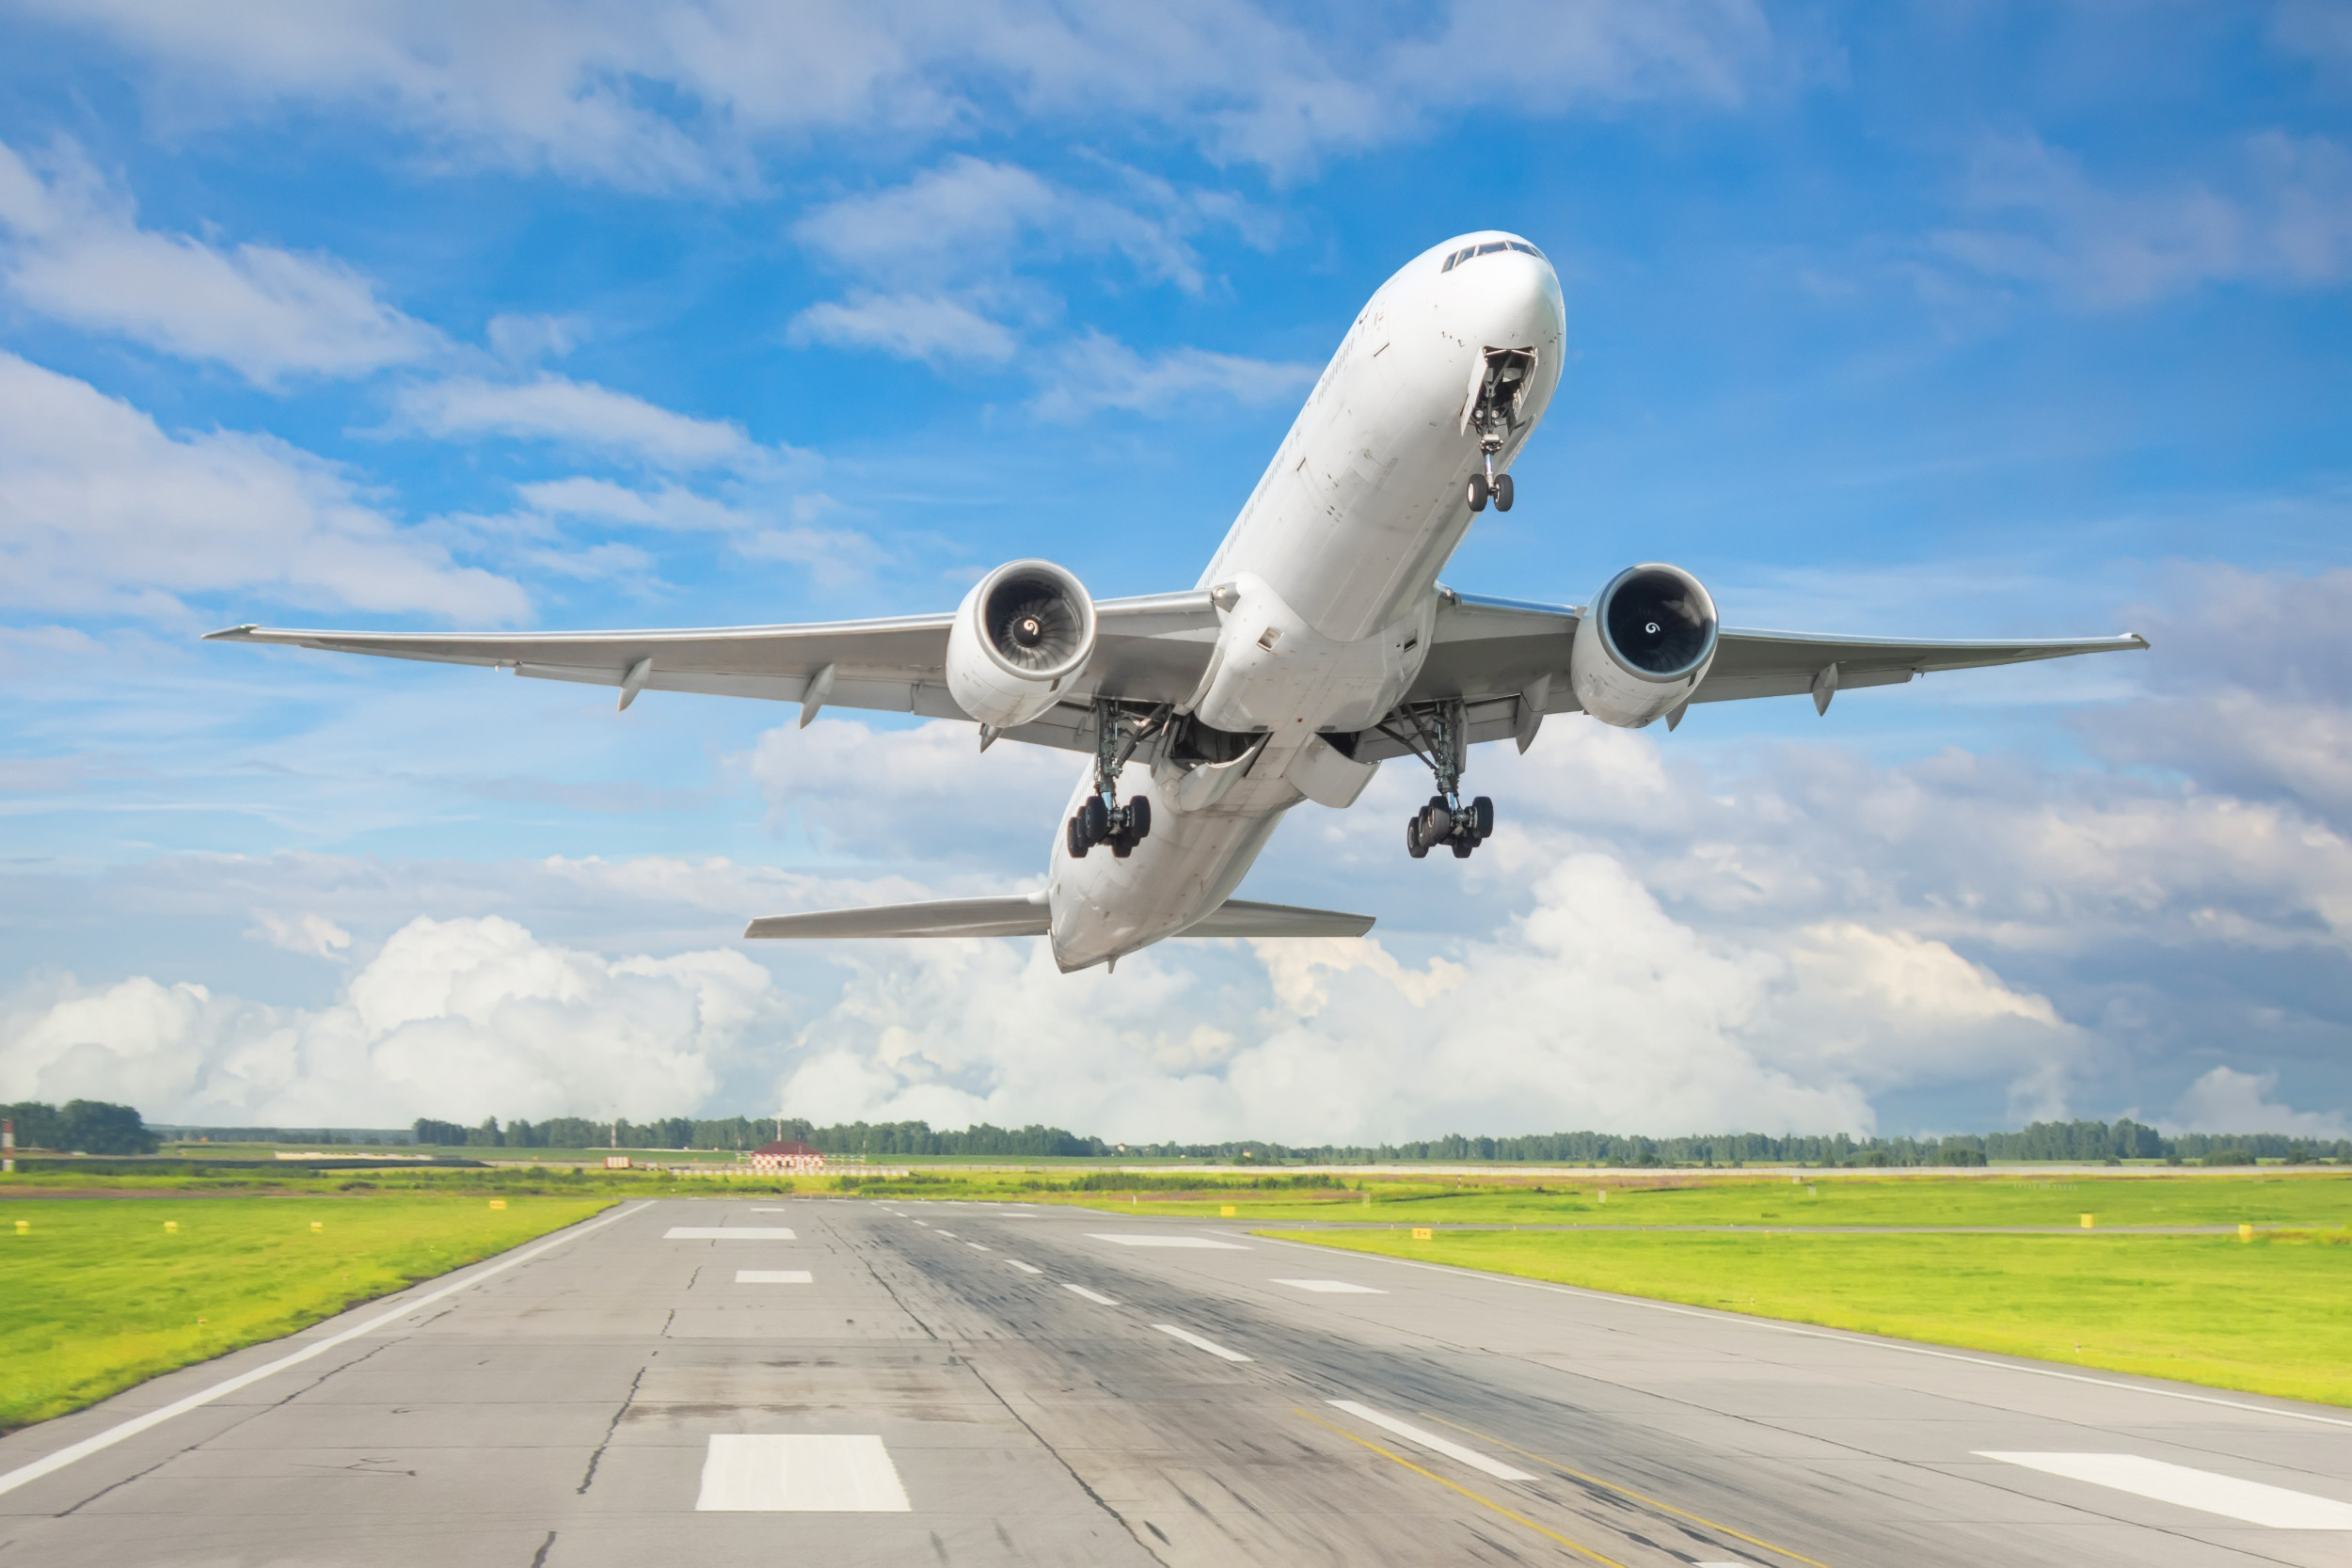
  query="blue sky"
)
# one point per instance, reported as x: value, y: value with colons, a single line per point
x: 1965, y: 320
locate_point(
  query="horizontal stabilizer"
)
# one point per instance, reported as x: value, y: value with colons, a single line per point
x: 1025, y: 915
x: 1238, y: 917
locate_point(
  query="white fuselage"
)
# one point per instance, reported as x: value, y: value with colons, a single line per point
x: 1327, y: 588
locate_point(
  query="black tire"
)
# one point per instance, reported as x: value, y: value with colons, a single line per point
x: 1437, y: 823
x: 1077, y: 849
x: 1482, y: 813
x: 1462, y: 848
x: 1502, y: 492
x: 1477, y: 493
x: 1413, y: 846
x: 1139, y: 819
x: 1094, y: 821
x: 1122, y: 846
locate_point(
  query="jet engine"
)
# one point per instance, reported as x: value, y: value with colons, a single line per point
x: 1643, y: 645
x: 1022, y: 634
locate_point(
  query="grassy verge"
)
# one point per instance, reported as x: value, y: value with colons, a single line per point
x: 96, y: 1296
x: 2267, y: 1317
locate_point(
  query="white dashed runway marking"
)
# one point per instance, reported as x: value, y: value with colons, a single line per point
x: 2252, y: 1501
x: 1095, y: 1296
x: 798, y: 1473
x: 1431, y: 1441
x: 1199, y: 1343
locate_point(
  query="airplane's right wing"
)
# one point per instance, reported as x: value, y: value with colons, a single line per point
x: 1149, y: 649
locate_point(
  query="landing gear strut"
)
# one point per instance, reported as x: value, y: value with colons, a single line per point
x: 1100, y: 818
x: 1435, y: 732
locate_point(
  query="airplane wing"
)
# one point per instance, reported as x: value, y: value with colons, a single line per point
x: 1502, y: 658
x: 1025, y: 915
x: 1150, y: 649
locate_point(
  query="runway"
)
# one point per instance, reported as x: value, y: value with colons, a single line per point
x: 906, y: 1383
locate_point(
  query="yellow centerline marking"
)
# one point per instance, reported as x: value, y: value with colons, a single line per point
x: 1628, y: 1492
x: 1512, y: 1514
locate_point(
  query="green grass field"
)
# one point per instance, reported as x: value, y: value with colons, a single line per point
x: 96, y: 1294
x: 2268, y: 1317
x: 2318, y: 1197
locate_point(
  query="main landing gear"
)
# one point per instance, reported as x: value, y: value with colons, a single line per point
x: 1489, y: 485
x: 1434, y: 732
x: 1100, y: 819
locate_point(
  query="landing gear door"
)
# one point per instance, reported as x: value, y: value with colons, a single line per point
x: 1500, y: 378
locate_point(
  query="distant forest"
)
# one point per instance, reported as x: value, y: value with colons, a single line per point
x: 94, y: 1127
x: 2085, y: 1142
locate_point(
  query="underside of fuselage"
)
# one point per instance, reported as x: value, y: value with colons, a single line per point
x: 1325, y: 587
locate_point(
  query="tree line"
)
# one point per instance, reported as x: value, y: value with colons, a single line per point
x: 80, y: 1127
x: 2075, y: 1142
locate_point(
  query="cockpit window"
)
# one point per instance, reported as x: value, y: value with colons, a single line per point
x: 1488, y: 249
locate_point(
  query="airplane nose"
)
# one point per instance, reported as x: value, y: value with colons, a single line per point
x: 1515, y: 300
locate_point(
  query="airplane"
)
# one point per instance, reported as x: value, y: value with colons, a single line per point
x: 1318, y: 643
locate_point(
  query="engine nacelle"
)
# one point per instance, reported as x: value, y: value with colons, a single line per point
x: 1643, y: 645
x: 1022, y: 634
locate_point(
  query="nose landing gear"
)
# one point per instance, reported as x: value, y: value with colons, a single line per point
x: 1435, y: 733
x: 1492, y: 408
x: 1100, y: 819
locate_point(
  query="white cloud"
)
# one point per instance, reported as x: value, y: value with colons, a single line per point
x: 940, y: 796
x: 666, y: 506
x: 2283, y: 217
x: 2228, y: 1101
x: 576, y: 413
x: 74, y: 252
x: 459, y: 1019
x: 661, y: 97
x: 311, y: 934
x: 912, y: 326
x: 1098, y: 372
x: 103, y: 511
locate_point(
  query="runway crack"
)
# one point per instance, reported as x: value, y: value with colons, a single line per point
x: 598, y: 1458
x: 539, y: 1558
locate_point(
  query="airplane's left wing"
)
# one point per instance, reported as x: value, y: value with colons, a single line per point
x: 1150, y: 649
x: 1507, y: 661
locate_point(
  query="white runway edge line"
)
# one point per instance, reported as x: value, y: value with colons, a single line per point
x: 1095, y: 1296
x: 1431, y: 1441
x: 1196, y: 1342
x: 51, y: 1464
x: 1025, y: 1268
x: 2250, y: 1501
x: 729, y: 1233
x: 798, y: 1473
x: 1128, y: 1240
x: 773, y: 1276
x: 1871, y: 1341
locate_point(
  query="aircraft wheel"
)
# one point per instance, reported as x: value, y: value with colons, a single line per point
x: 1077, y: 846
x: 1502, y: 492
x: 1462, y: 848
x: 1413, y: 846
x: 1482, y: 815
x: 1122, y: 846
x: 1477, y: 495
x: 1139, y: 819
x: 1094, y: 821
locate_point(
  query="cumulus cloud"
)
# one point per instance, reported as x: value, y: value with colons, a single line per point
x: 103, y: 511
x: 2282, y: 215
x: 1098, y: 372
x: 311, y: 934
x: 663, y: 97
x: 74, y: 252
x: 2228, y: 1101
x: 574, y: 412
x: 909, y: 327
x: 464, y: 1017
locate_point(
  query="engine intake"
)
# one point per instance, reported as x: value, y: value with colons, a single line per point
x: 1019, y: 637
x: 1643, y: 645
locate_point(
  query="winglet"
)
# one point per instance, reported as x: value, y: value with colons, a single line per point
x: 232, y: 634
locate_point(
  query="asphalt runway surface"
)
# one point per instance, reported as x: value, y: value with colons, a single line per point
x: 849, y: 1383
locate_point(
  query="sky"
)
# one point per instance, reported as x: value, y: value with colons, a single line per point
x: 1931, y: 318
